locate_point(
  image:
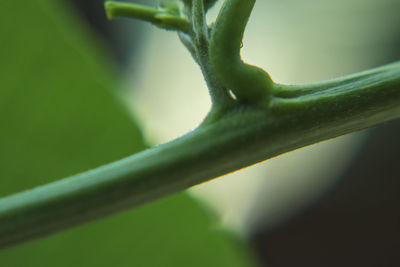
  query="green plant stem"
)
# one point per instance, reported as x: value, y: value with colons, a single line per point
x: 247, y: 134
x: 266, y: 120
x: 249, y: 83
x: 220, y: 98
x: 160, y: 18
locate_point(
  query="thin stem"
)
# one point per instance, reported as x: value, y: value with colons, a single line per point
x: 220, y: 98
x: 246, y: 135
x: 199, y: 23
x: 363, y: 78
x: 249, y: 83
x: 160, y: 18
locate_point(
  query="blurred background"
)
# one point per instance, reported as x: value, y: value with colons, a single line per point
x: 330, y: 204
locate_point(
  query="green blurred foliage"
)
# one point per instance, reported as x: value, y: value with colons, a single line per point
x: 59, y: 116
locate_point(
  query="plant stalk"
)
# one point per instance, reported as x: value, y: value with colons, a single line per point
x: 245, y: 135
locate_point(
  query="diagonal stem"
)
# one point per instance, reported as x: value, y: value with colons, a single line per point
x: 245, y: 136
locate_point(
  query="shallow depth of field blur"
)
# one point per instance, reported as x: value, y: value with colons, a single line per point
x: 330, y: 204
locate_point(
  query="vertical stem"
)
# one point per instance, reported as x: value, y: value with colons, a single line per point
x: 220, y: 97
x: 199, y: 19
x: 249, y: 83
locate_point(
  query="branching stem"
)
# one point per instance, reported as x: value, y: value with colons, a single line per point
x: 265, y: 121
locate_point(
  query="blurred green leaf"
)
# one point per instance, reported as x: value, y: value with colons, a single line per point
x: 59, y: 116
